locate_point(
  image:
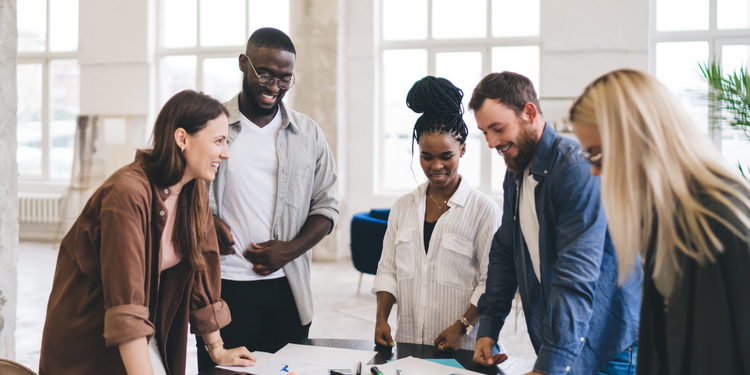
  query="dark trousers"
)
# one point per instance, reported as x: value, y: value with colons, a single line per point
x: 264, y: 317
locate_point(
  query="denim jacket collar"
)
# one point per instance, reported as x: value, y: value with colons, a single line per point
x: 544, y: 156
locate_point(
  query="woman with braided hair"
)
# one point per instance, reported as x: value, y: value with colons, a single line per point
x: 435, y: 250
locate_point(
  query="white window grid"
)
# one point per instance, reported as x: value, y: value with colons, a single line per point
x: 716, y: 39
x: 45, y: 58
x: 433, y: 47
x: 201, y: 53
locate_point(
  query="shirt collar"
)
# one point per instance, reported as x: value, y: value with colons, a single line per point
x: 458, y: 198
x: 233, y: 106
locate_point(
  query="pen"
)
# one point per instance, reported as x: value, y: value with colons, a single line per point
x: 359, y: 368
x: 374, y: 370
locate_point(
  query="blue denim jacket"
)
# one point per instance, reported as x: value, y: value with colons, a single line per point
x: 578, y: 317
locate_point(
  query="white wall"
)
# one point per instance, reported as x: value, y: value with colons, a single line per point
x: 580, y: 40
x: 115, y: 51
x: 8, y: 179
x: 584, y: 39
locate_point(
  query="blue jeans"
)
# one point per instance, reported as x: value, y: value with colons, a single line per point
x: 623, y: 363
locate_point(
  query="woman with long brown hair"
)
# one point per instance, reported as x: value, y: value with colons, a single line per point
x: 142, y: 260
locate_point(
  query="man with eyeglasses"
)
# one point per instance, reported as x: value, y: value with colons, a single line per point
x: 272, y: 201
x: 553, y: 245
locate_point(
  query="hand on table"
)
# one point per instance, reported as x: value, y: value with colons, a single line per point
x: 450, y: 339
x: 383, y: 334
x: 239, y: 356
x: 268, y: 257
x: 483, y: 353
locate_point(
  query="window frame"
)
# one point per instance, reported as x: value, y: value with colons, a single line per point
x: 715, y: 38
x: 200, y: 52
x: 433, y: 47
x: 45, y: 59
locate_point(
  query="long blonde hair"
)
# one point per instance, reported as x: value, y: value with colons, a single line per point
x: 656, y: 163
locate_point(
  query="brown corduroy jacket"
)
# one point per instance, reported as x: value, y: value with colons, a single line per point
x: 108, y: 290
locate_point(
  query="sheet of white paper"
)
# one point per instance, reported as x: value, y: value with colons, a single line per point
x: 323, y: 356
x: 416, y: 366
x: 269, y: 364
x: 305, y: 360
x: 264, y: 365
x: 512, y: 366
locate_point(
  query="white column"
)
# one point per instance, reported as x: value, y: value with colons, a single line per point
x: 315, y: 33
x: 8, y: 179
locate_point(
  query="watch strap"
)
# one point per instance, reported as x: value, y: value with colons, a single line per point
x: 212, y: 346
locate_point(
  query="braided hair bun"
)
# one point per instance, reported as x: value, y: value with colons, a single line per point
x: 439, y: 101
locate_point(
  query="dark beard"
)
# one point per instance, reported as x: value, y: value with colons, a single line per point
x: 526, y: 145
x: 254, y: 106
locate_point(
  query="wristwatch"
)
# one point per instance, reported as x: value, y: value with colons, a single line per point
x: 214, y: 345
x: 466, y: 324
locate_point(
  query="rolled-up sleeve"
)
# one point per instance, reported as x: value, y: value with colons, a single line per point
x: 324, y: 200
x: 126, y: 323
x: 123, y: 269
x: 385, y: 280
x: 208, y: 312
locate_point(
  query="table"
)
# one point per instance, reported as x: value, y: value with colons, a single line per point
x: 401, y: 350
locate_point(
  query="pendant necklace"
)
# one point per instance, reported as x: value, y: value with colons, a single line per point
x: 440, y: 206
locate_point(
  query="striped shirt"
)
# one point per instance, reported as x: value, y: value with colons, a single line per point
x: 435, y: 289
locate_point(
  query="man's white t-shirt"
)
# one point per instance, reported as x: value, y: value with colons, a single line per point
x: 249, y: 202
x: 529, y: 220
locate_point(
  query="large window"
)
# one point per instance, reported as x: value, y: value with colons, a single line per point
x: 200, y: 41
x: 688, y: 32
x: 48, y: 88
x: 462, y: 43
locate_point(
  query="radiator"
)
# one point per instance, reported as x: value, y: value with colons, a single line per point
x: 39, y: 207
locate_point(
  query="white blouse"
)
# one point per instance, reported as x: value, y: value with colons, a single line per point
x: 434, y: 290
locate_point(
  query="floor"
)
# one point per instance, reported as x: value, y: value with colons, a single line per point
x: 340, y: 312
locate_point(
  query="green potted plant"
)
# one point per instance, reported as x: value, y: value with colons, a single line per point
x: 729, y: 100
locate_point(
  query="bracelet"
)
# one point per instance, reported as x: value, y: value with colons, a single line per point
x: 468, y: 326
x: 214, y: 345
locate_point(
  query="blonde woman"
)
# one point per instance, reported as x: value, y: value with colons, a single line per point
x: 670, y: 196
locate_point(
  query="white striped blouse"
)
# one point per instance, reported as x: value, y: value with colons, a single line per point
x: 435, y: 289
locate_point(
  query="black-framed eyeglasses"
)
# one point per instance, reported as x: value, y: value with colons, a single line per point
x: 266, y: 79
x: 595, y: 160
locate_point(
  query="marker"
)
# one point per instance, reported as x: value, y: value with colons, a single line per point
x: 334, y: 372
x: 359, y: 368
x: 374, y: 370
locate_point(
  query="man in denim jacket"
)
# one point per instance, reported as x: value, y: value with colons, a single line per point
x: 553, y: 244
